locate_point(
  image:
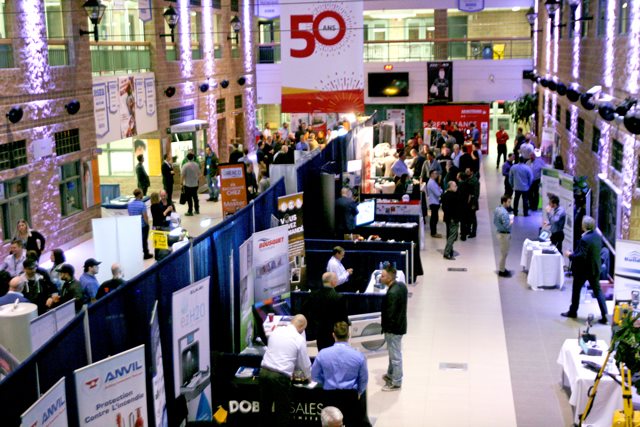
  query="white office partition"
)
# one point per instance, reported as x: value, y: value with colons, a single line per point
x: 118, y: 239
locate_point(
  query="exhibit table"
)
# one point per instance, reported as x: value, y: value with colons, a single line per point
x: 118, y: 207
x: 546, y: 270
x: 371, y: 287
x: 528, y: 246
x: 609, y: 396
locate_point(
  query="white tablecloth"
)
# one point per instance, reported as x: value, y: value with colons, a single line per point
x: 528, y: 246
x: 371, y: 289
x: 546, y: 270
x: 609, y: 397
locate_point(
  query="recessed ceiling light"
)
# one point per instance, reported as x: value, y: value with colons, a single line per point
x: 515, y: 9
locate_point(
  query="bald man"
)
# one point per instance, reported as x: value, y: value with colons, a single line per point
x: 324, y: 308
x: 286, y: 353
x: 112, y: 284
x: 16, y: 286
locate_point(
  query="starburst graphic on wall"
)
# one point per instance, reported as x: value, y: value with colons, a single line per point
x: 341, y: 81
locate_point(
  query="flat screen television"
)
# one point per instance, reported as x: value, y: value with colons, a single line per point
x: 366, y: 212
x: 388, y: 84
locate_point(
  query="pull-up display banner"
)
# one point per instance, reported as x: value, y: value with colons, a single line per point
x: 322, y: 45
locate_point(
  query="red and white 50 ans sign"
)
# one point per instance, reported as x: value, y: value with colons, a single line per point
x: 327, y: 28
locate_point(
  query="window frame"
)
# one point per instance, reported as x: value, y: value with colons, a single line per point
x: 63, y: 184
x: 617, y: 155
x: 7, y: 221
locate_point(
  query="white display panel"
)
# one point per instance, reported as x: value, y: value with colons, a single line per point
x: 125, y: 248
x: 65, y: 313
x: 42, y: 328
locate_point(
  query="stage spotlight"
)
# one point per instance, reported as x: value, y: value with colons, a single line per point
x: 204, y: 87
x: 624, y: 108
x: 573, y: 94
x: 561, y: 89
x: 15, y: 114
x: 632, y: 120
x: 606, y: 110
x: 170, y: 91
x: 224, y: 84
x: 586, y: 100
x: 544, y: 82
x: 552, y: 85
x: 242, y: 81
x: 72, y: 107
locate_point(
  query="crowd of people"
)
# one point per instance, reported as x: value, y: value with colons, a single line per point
x: 23, y: 279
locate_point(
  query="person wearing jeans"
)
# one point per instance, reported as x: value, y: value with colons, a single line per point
x: 137, y: 207
x: 434, y: 191
x: 211, y: 172
x: 394, y: 326
x: 521, y: 178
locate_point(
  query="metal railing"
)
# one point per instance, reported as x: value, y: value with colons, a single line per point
x: 58, y: 52
x: 109, y: 57
x: 427, y: 50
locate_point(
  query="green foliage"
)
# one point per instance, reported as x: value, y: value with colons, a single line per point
x: 626, y: 340
x: 523, y: 108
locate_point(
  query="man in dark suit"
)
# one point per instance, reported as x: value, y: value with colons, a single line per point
x: 346, y: 211
x: 167, y: 175
x: 324, y: 308
x: 141, y: 174
x: 585, y: 265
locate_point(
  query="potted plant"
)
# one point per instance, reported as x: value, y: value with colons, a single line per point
x: 523, y: 108
x: 626, y: 340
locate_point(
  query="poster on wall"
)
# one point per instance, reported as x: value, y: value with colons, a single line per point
x: 124, y: 106
x: 627, y: 269
x: 91, y: 182
x: 191, y: 358
x: 561, y: 184
x: 270, y: 263
x: 50, y: 410
x: 233, y: 188
x: 440, y: 81
x: 290, y: 214
x: 157, y: 371
x: 398, y: 117
x: 246, y: 295
x: 315, y: 34
x: 548, y: 144
x: 364, y: 142
x: 267, y: 9
x: 113, y: 391
x: 461, y: 115
x: 470, y: 5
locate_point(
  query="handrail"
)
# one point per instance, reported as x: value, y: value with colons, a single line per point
x: 453, y: 40
x: 120, y: 43
x: 6, y: 42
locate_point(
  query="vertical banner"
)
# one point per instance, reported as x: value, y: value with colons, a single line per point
x: 322, y: 48
x: 440, y: 81
x: 561, y: 184
x: 144, y: 10
x: 191, y: 356
x: 290, y: 214
x: 246, y: 295
x: 157, y: 371
x: 233, y: 188
x: 397, y: 116
x: 127, y: 107
x: 270, y: 256
x: 627, y: 269
x: 50, y: 410
x: 112, y: 392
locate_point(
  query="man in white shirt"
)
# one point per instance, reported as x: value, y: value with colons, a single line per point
x: 335, y: 266
x: 286, y: 353
x: 400, y: 168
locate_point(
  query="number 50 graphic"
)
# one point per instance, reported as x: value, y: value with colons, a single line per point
x: 315, y: 35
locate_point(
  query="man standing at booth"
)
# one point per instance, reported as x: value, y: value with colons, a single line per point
x: 137, y: 207
x: 286, y: 353
x: 394, y: 326
x: 167, y: 175
x: 555, y: 217
x: 142, y: 176
x: 585, y: 266
x: 335, y: 266
x: 324, y: 308
x: 190, y: 179
x: 346, y: 212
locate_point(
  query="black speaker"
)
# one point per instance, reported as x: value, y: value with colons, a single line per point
x: 242, y: 81
x: 72, y: 107
x: 632, y: 121
x: 170, y: 91
x: 224, y: 84
x: 573, y: 95
x: 528, y: 75
x: 553, y: 85
x: 561, y: 89
x: 204, y: 87
x: 607, y: 111
x: 586, y: 100
x: 544, y: 82
x: 15, y: 114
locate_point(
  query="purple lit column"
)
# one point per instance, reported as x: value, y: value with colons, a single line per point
x: 209, y: 71
x: 248, y: 62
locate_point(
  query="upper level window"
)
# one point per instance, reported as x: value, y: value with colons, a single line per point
x: 217, y: 35
x: 601, y: 18
x: 376, y: 30
x: 121, y: 22
x: 3, y: 28
x: 55, y: 33
x: 14, y: 205
x: 623, y: 16
x: 196, y: 34
x: 419, y: 28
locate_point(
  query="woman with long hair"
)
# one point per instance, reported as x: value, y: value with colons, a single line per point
x: 32, y: 240
x: 57, y: 258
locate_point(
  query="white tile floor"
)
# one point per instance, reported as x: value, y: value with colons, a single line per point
x: 453, y: 317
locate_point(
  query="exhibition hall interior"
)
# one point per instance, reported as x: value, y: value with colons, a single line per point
x: 320, y: 213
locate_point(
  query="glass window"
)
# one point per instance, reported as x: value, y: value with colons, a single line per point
x: 567, y: 120
x: 220, y: 105
x: 217, y: 36
x: 601, y: 22
x: 196, y: 31
x: 70, y: 188
x: 67, y: 141
x: 54, y: 20
x: 580, y: 128
x: 3, y: 28
x: 616, y: 155
x: 13, y: 154
x: 234, y: 5
x: 595, y: 140
x: 6, y: 51
x: 571, y: 20
x: 237, y: 102
x: 121, y: 22
x: 584, y: 27
x: 558, y: 113
x: 623, y: 16
x: 14, y: 205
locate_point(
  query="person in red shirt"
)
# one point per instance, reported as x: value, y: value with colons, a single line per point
x: 501, y: 137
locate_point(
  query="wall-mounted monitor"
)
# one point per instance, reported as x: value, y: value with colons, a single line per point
x: 388, y: 84
x: 366, y: 212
